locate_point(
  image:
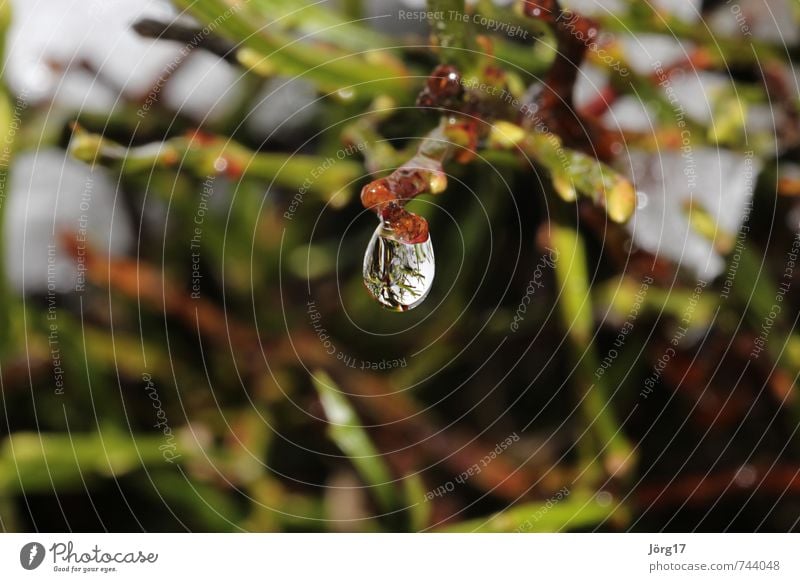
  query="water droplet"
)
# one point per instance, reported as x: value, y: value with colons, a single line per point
x: 346, y: 93
x: 397, y: 274
x: 642, y: 200
x: 220, y: 164
x: 746, y: 476
x: 604, y: 498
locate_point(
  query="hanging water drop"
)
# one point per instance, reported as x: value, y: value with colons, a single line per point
x: 397, y: 274
x: 398, y: 266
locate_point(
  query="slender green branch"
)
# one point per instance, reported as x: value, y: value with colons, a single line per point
x: 723, y: 51
x: 270, y: 50
x: 318, y: 21
x: 40, y: 462
x: 572, y: 172
x: 209, y: 156
x: 346, y: 431
x: 575, y: 308
x: 579, y: 510
x: 7, y: 115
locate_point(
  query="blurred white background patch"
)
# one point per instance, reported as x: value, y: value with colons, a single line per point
x: 720, y: 181
x: 62, y: 197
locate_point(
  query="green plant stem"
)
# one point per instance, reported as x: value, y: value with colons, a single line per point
x: 618, y: 297
x: 579, y: 510
x: 759, y: 297
x: 725, y: 51
x: 319, y: 22
x: 42, y: 462
x: 332, y: 178
x: 6, y: 121
x: 379, y: 155
x: 573, y: 173
x: 575, y: 309
x: 419, y: 510
x: 331, y: 68
x: 346, y: 431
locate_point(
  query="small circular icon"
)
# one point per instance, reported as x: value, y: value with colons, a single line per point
x: 31, y: 555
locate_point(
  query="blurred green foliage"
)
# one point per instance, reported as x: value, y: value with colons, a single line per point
x: 199, y: 394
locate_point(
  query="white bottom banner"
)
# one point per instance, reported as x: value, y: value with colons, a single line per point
x: 400, y: 557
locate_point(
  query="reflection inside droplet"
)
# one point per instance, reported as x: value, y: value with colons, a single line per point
x: 641, y: 199
x: 398, y: 275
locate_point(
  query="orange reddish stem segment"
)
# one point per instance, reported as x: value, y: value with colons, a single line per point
x: 424, y: 172
x: 387, y: 196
